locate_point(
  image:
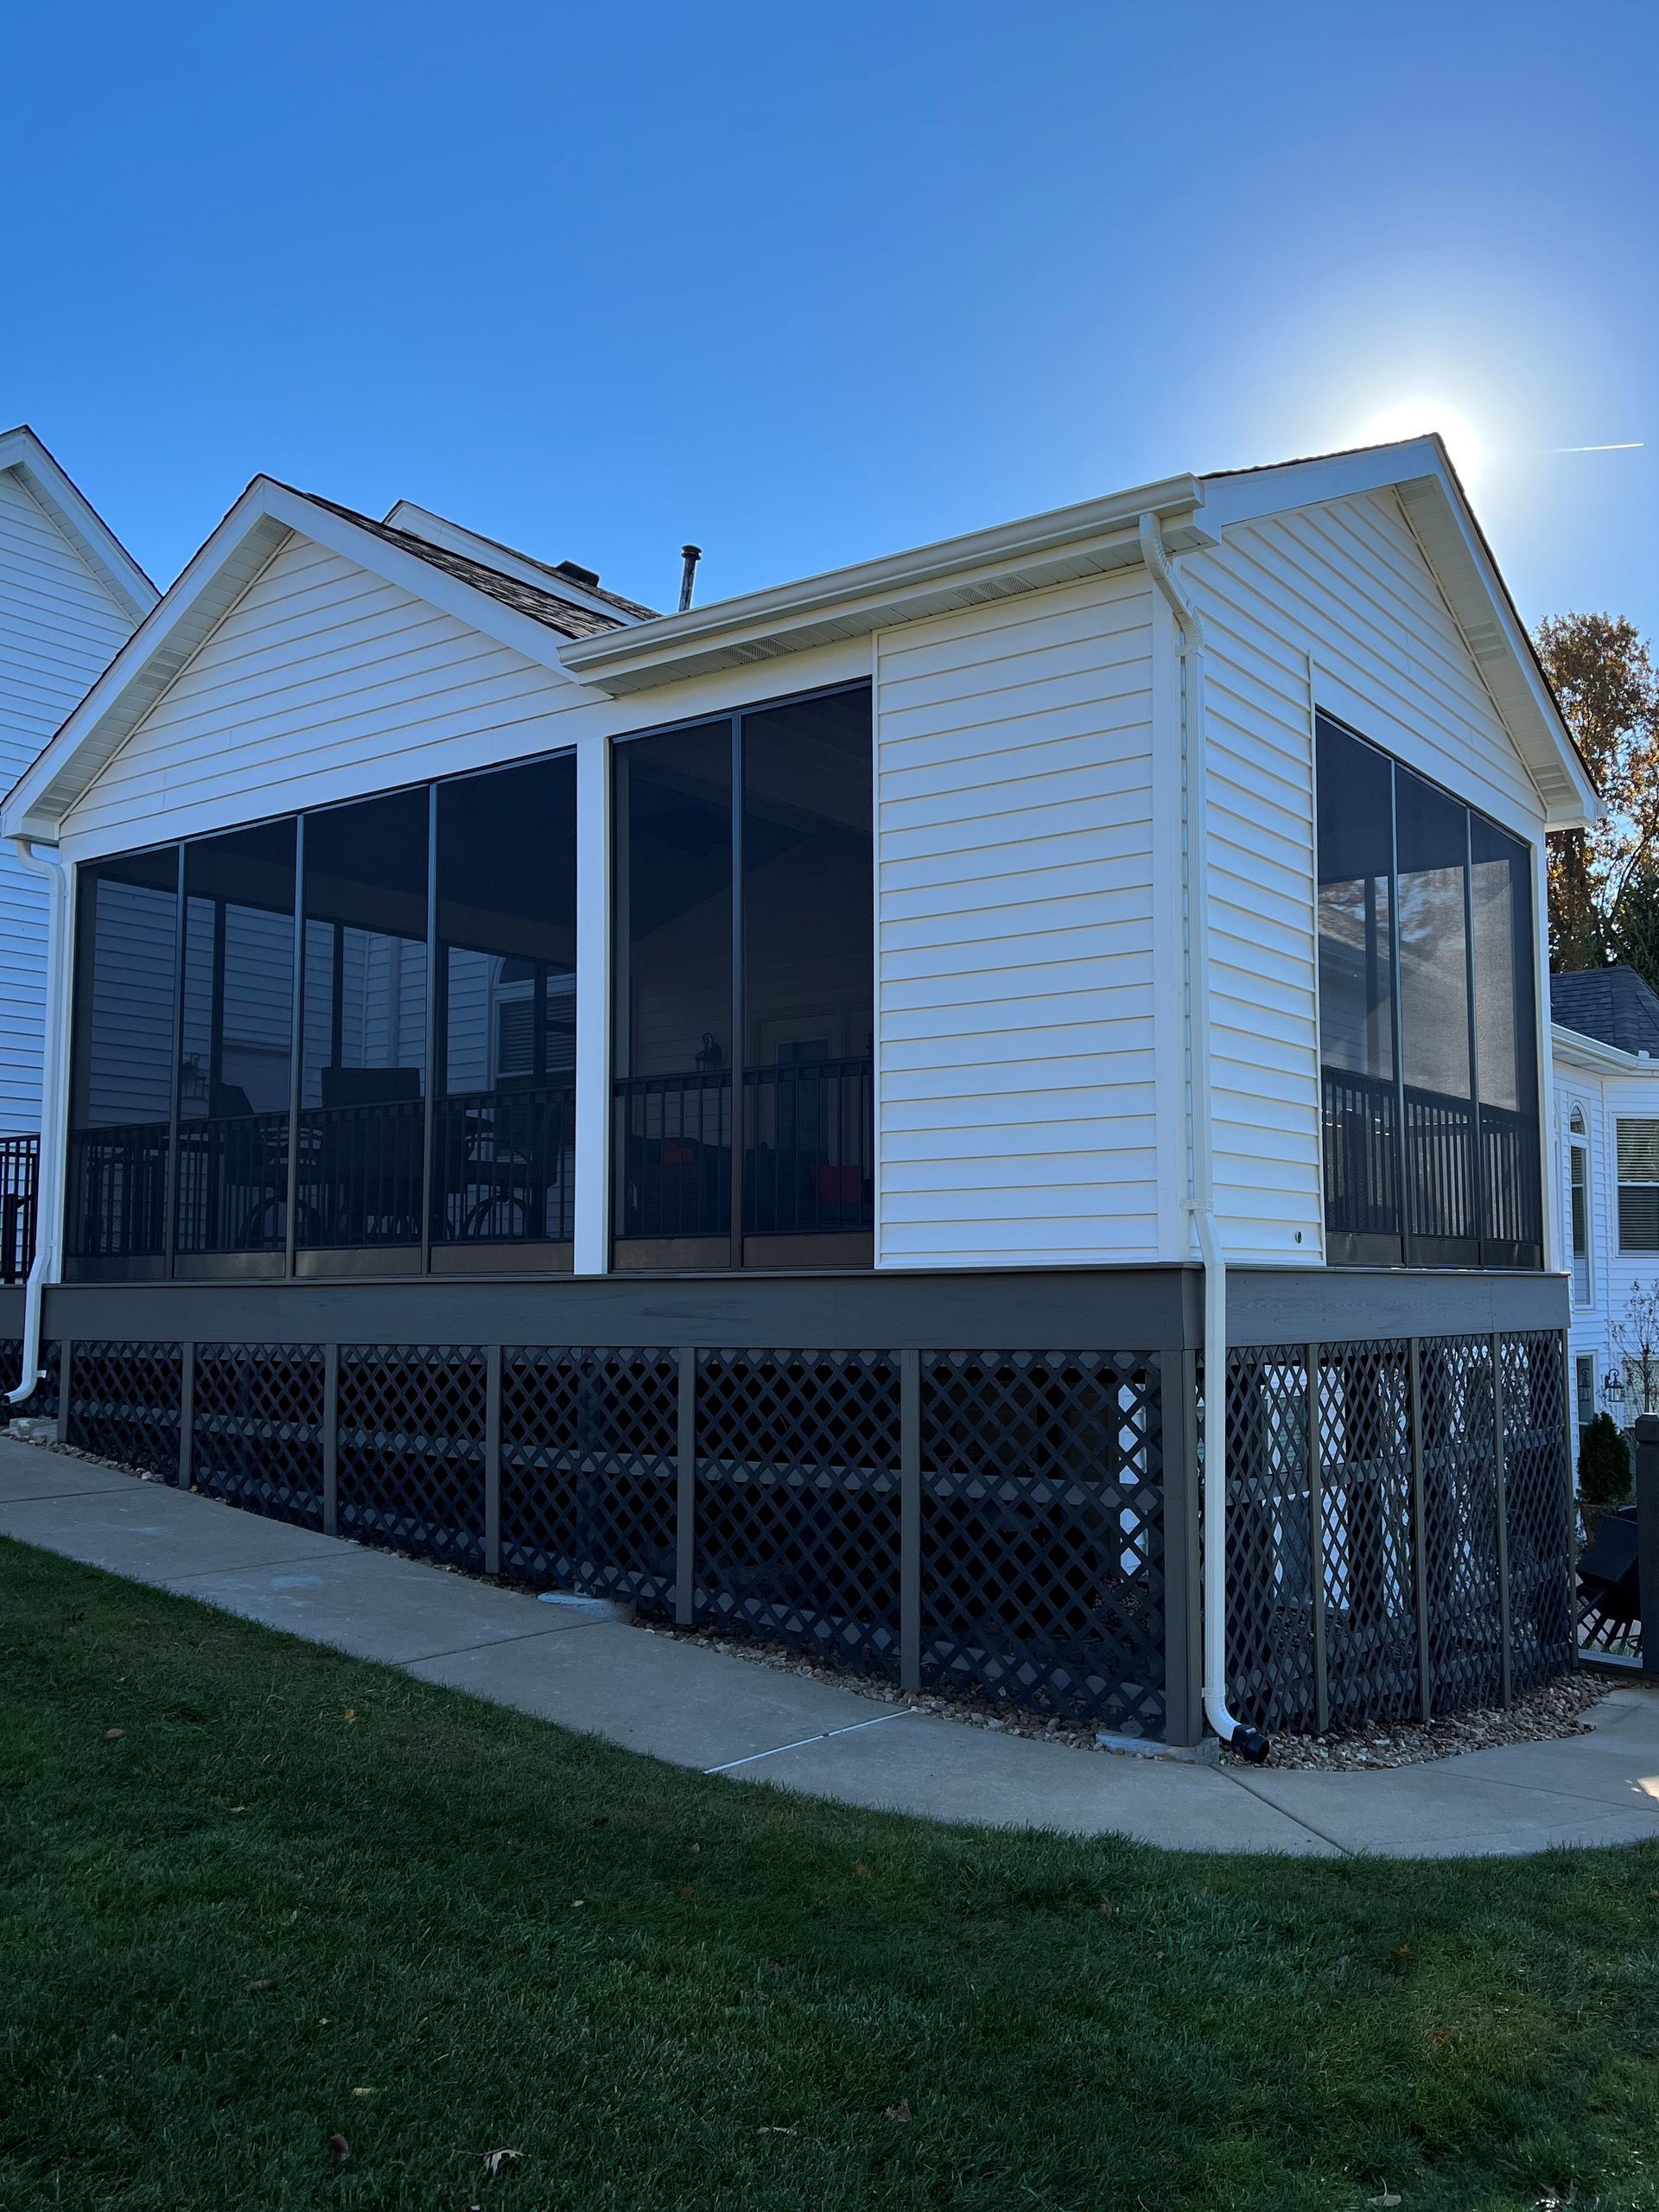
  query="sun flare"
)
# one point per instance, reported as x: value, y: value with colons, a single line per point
x: 1414, y: 418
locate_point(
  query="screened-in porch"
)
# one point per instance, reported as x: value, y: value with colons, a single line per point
x: 344, y: 1042
x: 1428, y: 1025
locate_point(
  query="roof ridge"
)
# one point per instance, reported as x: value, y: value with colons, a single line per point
x: 566, y: 616
x: 595, y: 590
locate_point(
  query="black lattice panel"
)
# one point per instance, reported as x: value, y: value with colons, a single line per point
x: 1460, y: 1523
x: 124, y: 1403
x: 1536, y: 1495
x: 798, y: 1503
x: 1042, y: 1565
x: 411, y: 1449
x: 45, y: 1400
x: 257, y: 1430
x: 1370, y: 1596
x: 589, y: 1445
x: 1269, y: 1550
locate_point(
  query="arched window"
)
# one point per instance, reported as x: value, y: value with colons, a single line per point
x: 1578, y: 1161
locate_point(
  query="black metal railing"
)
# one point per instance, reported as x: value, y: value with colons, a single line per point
x: 808, y: 1148
x: 1441, y: 1198
x: 1362, y: 1155
x: 232, y: 1183
x: 1511, y: 1177
x: 20, y: 1184
x: 1469, y: 1175
x: 808, y: 1151
x: 117, y: 1206
x: 504, y: 1167
x: 360, y: 1174
x: 674, y: 1146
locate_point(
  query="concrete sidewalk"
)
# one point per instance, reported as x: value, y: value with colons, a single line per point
x: 577, y: 1664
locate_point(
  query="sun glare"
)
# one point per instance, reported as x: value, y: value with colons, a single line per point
x: 1414, y: 418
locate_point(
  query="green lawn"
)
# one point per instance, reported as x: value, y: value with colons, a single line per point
x: 295, y: 1878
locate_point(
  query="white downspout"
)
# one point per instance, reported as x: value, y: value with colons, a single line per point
x: 49, y: 1203
x: 1199, y: 1203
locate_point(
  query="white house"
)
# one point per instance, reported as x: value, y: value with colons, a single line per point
x: 1605, y: 1049
x: 771, y: 1109
x: 70, y: 595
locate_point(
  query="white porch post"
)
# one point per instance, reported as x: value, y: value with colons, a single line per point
x: 593, y: 1117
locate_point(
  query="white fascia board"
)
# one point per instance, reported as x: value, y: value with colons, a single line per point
x: 455, y: 537
x: 1419, y: 473
x: 262, y: 520
x: 79, y: 522
x: 1030, y: 554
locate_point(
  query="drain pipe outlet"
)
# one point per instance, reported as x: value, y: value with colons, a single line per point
x: 48, y: 1194
x: 1200, y: 1202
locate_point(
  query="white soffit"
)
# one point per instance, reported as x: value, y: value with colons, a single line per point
x: 1071, y: 542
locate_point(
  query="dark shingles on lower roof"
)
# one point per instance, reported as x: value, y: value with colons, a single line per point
x: 1610, y: 1004
x: 563, y: 615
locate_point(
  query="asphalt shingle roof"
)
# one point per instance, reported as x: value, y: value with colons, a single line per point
x: 563, y: 615
x: 1612, y: 1004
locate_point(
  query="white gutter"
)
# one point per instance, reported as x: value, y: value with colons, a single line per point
x: 1199, y: 1203
x: 48, y: 1197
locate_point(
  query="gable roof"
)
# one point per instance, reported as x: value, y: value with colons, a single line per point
x: 1612, y: 1005
x: 76, y: 519
x: 535, y: 623
x: 1418, y: 471
x: 609, y: 649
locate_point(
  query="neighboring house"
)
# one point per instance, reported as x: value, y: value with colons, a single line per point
x: 70, y: 595
x: 1607, y: 1085
x: 770, y: 1111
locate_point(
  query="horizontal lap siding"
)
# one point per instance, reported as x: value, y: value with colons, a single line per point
x: 320, y: 671
x: 1345, y: 584
x: 1015, y: 979
x: 59, y: 629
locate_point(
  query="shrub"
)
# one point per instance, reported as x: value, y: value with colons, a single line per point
x: 1603, y: 1463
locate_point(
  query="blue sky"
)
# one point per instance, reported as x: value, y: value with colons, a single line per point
x: 808, y: 285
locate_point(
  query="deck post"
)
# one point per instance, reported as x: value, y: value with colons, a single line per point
x: 685, y: 1517
x: 1647, y: 1529
x: 331, y: 1440
x: 66, y: 1383
x: 1569, y: 1481
x: 1316, y: 1546
x: 1501, y: 1509
x: 910, y: 1522
x: 186, y: 1412
x: 493, y: 1459
x: 1419, y: 1529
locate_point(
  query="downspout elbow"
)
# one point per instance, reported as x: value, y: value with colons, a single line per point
x: 47, y: 1194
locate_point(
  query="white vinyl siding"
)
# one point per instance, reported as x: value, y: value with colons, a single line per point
x: 322, y: 681
x: 1331, y: 607
x: 1015, y: 1102
x: 59, y: 629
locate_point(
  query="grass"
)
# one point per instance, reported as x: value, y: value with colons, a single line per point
x: 293, y: 1880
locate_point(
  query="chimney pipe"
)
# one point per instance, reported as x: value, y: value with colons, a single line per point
x: 691, y: 555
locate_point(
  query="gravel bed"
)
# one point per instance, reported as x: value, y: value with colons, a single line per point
x: 1557, y: 1709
